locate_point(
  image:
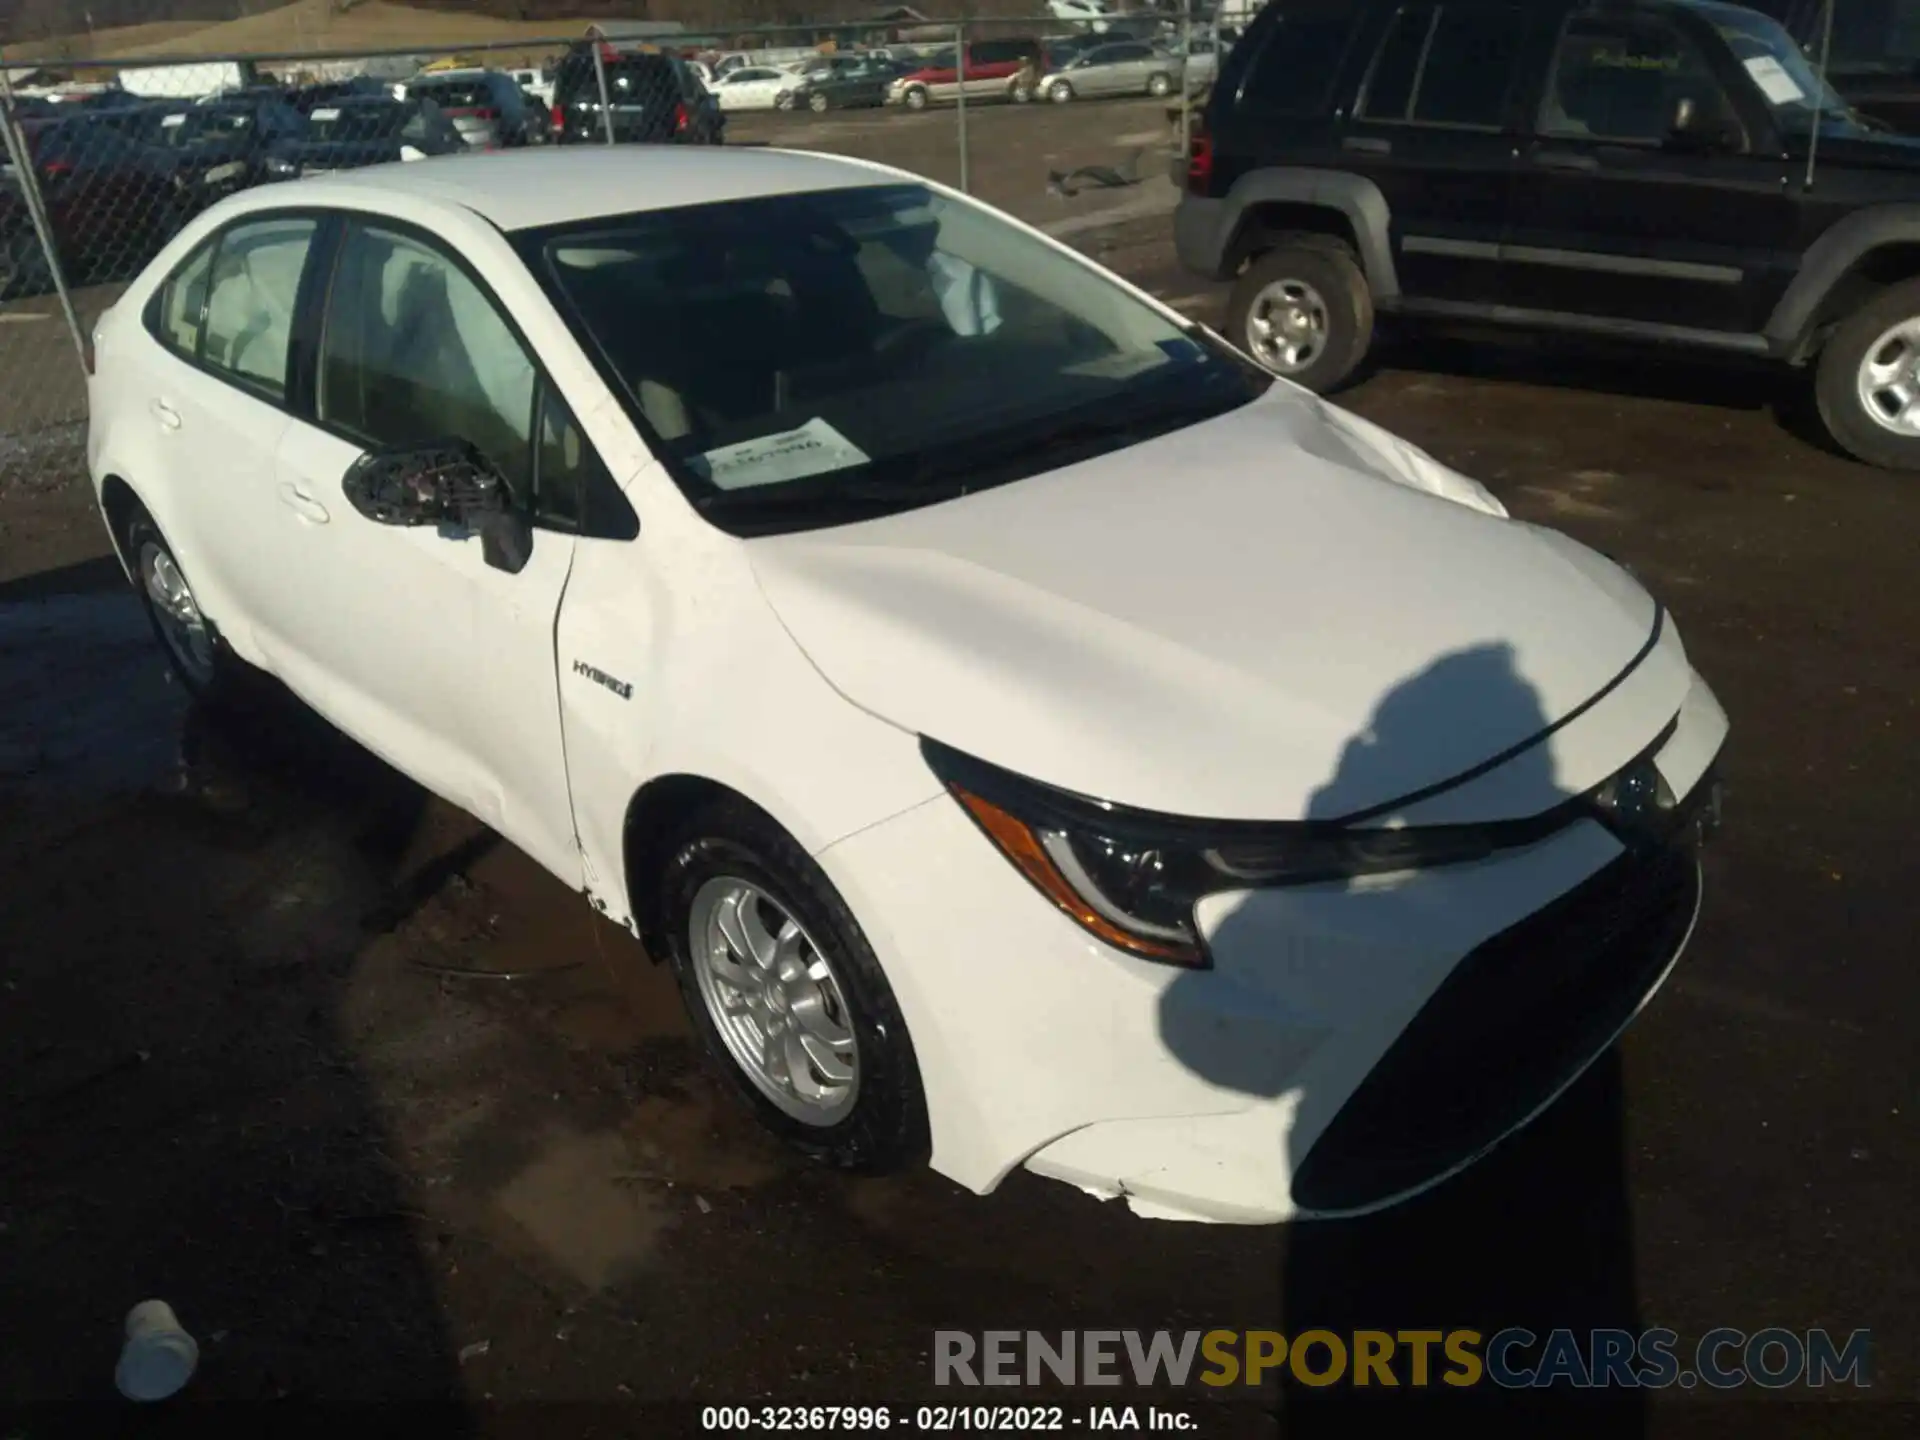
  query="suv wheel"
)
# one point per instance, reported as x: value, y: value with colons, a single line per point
x: 1304, y: 311
x: 787, y: 995
x: 915, y: 98
x: 1867, y: 385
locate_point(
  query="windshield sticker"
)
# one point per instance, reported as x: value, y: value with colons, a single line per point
x: 1774, y: 82
x: 813, y: 449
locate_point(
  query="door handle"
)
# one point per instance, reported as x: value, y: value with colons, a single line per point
x: 302, y: 504
x: 168, y: 417
x: 1562, y: 160
x: 1367, y: 145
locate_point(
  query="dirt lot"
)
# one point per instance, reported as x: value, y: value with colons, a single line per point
x: 385, y: 1113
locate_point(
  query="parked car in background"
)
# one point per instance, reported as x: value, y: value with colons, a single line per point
x: 112, y: 201
x: 757, y: 87
x: 364, y: 130
x: 1198, y: 59
x: 851, y: 84
x: 991, y: 68
x: 535, y: 83
x: 308, y: 98
x: 221, y: 146
x: 1127, y: 67
x: 486, y: 107
x: 655, y: 99
x: 1451, y: 167
x: 1096, y: 15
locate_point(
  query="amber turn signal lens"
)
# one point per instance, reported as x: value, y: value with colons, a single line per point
x: 1020, y: 845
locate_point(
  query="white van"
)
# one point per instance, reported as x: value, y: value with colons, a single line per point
x: 194, y: 81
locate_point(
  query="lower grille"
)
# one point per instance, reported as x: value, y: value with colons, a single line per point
x: 1514, y: 1021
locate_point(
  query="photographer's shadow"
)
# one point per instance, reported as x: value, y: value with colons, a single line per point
x: 1534, y: 1231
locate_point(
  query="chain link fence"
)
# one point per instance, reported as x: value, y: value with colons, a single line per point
x: 105, y: 160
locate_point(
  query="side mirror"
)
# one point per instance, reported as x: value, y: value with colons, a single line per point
x: 450, y: 485
x: 1688, y: 132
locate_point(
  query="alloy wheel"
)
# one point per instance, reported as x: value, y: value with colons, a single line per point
x: 1287, y: 326
x: 1888, y: 381
x: 775, y: 1000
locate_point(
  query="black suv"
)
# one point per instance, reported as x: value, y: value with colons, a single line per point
x: 1633, y: 169
x: 655, y: 99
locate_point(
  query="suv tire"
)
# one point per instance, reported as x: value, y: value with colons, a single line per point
x: 732, y: 854
x: 1304, y: 311
x: 1843, y: 388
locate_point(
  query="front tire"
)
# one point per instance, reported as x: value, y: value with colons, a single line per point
x: 783, y: 101
x: 199, y: 658
x: 818, y: 104
x: 1305, y: 312
x: 787, y: 995
x: 1867, y: 382
x: 915, y: 99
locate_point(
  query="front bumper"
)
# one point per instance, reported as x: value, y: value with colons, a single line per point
x: 1354, y: 1043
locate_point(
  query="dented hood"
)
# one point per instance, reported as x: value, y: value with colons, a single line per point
x: 1205, y: 623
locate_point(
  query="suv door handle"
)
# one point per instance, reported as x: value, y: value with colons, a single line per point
x: 1367, y: 145
x: 1565, y: 160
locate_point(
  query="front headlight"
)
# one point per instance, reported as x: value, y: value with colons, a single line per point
x: 1132, y: 878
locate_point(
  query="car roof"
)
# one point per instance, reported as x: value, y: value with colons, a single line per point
x: 526, y: 189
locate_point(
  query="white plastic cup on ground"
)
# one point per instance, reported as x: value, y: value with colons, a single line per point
x: 159, y: 1356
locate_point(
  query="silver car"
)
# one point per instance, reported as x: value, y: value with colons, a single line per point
x: 486, y: 107
x: 1126, y: 67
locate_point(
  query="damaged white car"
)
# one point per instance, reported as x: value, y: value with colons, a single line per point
x: 1033, y: 734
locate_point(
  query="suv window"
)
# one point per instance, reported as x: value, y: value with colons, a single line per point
x: 1294, y: 71
x: 1621, y: 79
x: 1445, y: 65
x: 414, y: 352
x: 230, y: 306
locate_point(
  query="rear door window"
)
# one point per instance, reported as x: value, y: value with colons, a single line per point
x: 1295, y: 70
x: 1447, y: 65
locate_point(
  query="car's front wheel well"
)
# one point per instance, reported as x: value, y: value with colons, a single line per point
x: 1268, y: 227
x: 656, y: 816
x: 1865, y: 279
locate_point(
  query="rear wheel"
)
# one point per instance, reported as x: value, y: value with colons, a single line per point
x: 1304, y: 311
x: 198, y: 657
x: 1060, y: 92
x: 1867, y: 383
x: 783, y: 101
x: 1159, y: 86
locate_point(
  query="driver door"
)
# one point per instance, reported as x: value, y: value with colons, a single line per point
x: 408, y: 638
x: 1614, y: 216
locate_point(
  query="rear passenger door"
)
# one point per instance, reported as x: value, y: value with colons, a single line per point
x: 1435, y: 126
x: 216, y: 397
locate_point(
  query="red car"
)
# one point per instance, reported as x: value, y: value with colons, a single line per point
x: 992, y: 67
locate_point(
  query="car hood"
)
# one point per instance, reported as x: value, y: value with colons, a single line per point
x: 1280, y: 613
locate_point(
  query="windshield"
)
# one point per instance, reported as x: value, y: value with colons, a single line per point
x: 202, y: 126
x: 1780, y: 69
x: 802, y: 360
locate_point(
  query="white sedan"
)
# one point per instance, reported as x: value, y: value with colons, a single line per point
x: 1033, y: 734
x: 757, y: 87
